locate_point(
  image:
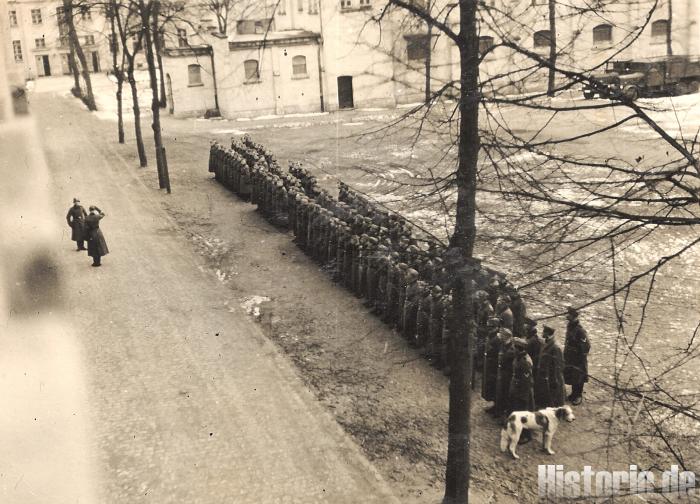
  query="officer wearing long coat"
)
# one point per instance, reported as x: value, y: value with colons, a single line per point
x: 76, y: 220
x: 576, y: 350
x: 521, y: 391
x: 549, y: 378
x: 489, y: 381
x: 97, y: 246
x: 534, y: 342
x: 505, y: 373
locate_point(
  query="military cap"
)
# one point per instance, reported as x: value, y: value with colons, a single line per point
x: 506, y: 332
x: 530, y: 322
x: 571, y: 312
x: 547, y: 331
x: 520, y: 343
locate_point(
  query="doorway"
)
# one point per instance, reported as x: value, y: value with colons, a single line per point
x: 345, y: 96
x: 95, y: 61
x: 43, y: 66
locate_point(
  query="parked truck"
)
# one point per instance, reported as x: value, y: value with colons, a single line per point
x: 644, y: 77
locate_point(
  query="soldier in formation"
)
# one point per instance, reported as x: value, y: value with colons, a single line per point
x: 402, y: 278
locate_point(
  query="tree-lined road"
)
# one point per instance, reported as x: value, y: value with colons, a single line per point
x: 187, y: 401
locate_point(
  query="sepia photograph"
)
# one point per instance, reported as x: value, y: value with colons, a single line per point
x: 349, y: 251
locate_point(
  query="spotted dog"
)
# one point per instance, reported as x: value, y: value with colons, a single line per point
x: 545, y: 420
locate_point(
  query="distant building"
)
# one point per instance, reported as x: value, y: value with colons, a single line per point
x: 39, y: 41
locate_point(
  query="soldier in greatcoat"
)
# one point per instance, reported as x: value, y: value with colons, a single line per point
x: 576, y: 350
x: 522, y: 384
x: 492, y: 349
x: 484, y: 311
x: 446, y: 334
x: 505, y: 373
x: 96, y: 246
x: 435, y: 324
x: 534, y: 342
x: 549, y: 378
x: 414, y: 286
x: 76, y: 220
x: 423, y: 316
x: 503, y: 312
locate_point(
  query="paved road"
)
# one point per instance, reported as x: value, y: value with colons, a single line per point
x: 187, y: 401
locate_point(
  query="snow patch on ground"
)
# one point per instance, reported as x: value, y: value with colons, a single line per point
x: 251, y: 305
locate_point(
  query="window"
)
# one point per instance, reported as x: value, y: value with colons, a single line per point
x: 282, y: 7
x: 85, y: 12
x: 313, y: 6
x: 17, y: 50
x: 64, y: 41
x: 36, y: 16
x: 13, y: 18
x: 485, y: 43
x: 250, y: 26
x: 89, y: 40
x: 542, y: 38
x: 540, y: 2
x: 300, y: 5
x: 182, y: 37
x: 659, y: 29
x: 348, y: 4
x: 252, y: 72
x: 40, y: 43
x: 345, y: 4
x: 417, y: 47
x: 259, y: 28
x: 365, y: 3
x: 602, y: 33
x: 299, y: 66
x: 194, y: 75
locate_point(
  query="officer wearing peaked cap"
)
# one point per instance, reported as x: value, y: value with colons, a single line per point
x: 549, y: 378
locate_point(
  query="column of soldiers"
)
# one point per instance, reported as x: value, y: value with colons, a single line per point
x: 401, y: 278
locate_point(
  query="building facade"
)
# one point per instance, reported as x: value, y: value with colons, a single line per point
x: 39, y: 41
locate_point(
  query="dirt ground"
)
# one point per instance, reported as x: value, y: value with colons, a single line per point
x: 381, y: 391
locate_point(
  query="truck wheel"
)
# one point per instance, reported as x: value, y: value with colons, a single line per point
x: 631, y: 93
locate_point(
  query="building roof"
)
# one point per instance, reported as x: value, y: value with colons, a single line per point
x: 287, y: 37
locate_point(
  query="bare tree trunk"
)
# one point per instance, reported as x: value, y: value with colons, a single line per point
x: 143, y: 161
x: 74, y: 69
x: 552, y: 46
x: 118, y: 72
x: 158, y: 43
x: 428, y: 63
x: 669, y: 30
x: 460, y: 253
x: 88, y: 98
x: 149, y: 20
x: 428, y: 57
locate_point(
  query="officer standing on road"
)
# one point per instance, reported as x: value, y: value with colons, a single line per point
x: 97, y: 246
x: 76, y: 220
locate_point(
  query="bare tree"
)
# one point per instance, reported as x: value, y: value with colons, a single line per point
x: 562, y: 221
x: 76, y: 48
x: 125, y: 15
x: 149, y: 17
x: 552, y: 6
x: 118, y: 64
x: 222, y: 10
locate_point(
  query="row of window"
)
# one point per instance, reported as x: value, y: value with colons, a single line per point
x: 312, y: 6
x: 251, y: 68
x: 38, y: 19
